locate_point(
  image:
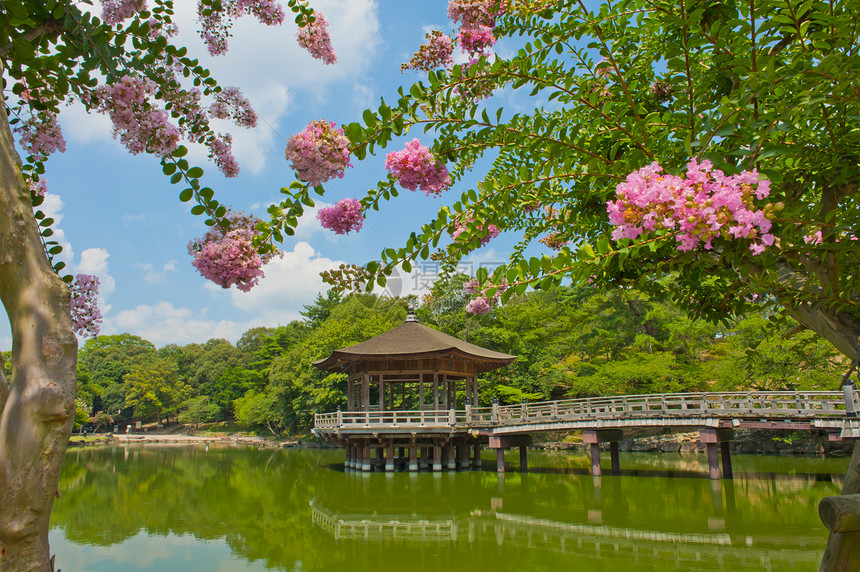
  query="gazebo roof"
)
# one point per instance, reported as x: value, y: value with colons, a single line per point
x: 411, y: 340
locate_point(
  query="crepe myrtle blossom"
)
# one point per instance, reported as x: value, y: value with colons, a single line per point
x: 116, y: 11
x: 319, y: 153
x: 231, y: 104
x: 41, y: 135
x: 315, y: 39
x: 702, y: 205
x: 477, y: 18
x: 437, y: 52
x: 86, y: 316
x: 138, y: 125
x: 416, y: 168
x: 215, y: 24
x: 342, y: 217
x: 227, y: 256
x: 483, y: 303
x: 488, y: 231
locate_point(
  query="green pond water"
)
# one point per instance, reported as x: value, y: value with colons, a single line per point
x: 223, y: 509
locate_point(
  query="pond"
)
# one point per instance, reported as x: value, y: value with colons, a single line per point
x: 184, y: 509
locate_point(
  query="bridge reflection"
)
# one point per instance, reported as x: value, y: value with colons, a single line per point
x: 719, y: 550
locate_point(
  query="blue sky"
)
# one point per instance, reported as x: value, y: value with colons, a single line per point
x: 121, y: 219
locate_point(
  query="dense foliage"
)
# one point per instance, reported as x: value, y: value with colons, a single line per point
x: 570, y: 342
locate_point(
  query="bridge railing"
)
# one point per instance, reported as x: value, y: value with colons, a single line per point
x: 760, y: 404
x: 795, y: 404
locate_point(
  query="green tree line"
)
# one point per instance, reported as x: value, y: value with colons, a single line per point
x: 570, y: 342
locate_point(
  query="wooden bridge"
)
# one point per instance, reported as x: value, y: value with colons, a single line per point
x: 602, y: 420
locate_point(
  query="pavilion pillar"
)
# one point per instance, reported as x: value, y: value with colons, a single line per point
x: 451, y: 457
x: 421, y: 392
x: 365, y: 392
x: 365, y: 456
x: 424, y: 462
x: 435, y: 391
x: 475, y: 393
x: 403, y: 396
x: 452, y: 385
x: 391, y: 397
x: 437, y: 456
x: 468, y: 391
x: 476, y: 456
x: 389, y: 456
x: 381, y: 392
x: 350, y: 394
x: 445, y: 391
x: 465, y: 462
x: 413, y: 456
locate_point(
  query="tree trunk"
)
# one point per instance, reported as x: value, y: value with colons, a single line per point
x: 37, y: 405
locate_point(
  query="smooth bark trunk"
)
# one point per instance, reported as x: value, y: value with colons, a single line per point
x: 37, y: 404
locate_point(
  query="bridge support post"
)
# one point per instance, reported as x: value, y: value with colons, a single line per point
x: 500, y: 460
x: 476, y: 456
x: 717, y: 444
x: 502, y: 442
x: 594, y: 437
x: 524, y: 459
x: 349, y: 454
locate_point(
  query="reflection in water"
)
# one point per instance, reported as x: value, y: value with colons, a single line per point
x: 289, y: 510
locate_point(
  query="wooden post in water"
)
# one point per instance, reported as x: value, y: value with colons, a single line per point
x: 614, y: 457
x: 717, y: 444
x: 524, y: 460
x: 437, y: 455
x: 595, y: 459
x: 842, y: 553
x: 476, y: 456
x: 465, y: 461
x: 500, y: 460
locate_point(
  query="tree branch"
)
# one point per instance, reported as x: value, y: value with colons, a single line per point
x: 50, y: 28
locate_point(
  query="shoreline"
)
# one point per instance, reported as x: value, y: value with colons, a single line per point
x: 752, y: 442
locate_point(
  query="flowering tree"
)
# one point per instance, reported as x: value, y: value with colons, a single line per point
x: 702, y: 152
x: 117, y: 60
x: 705, y: 152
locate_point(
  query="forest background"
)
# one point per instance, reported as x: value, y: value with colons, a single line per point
x: 570, y: 342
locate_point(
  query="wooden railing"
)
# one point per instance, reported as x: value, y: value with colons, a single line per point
x: 768, y: 405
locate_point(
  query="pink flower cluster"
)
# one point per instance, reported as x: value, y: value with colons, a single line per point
x: 86, y: 317
x: 315, y: 39
x: 319, y: 153
x: 477, y: 18
x: 230, y: 103
x: 215, y: 24
x: 417, y: 169
x: 703, y: 205
x: 227, y: 256
x: 488, y: 232
x: 40, y: 187
x: 115, y: 11
x: 160, y: 28
x: 342, y: 217
x: 41, y: 135
x: 436, y: 52
x: 230, y: 260
x: 140, y: 126
x: 220, y: 151
x: 483, y: 303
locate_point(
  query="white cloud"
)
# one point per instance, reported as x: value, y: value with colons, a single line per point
x: 290, y: 282
x: 95, y: 261
x: 153, y: 276
x: 163, y: 323
x: 53, y: 208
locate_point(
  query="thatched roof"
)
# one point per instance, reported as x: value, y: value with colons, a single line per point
x: 414, y: 340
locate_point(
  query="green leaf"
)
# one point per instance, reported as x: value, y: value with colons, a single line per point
x: 195, y: 172
x: 186, y: 195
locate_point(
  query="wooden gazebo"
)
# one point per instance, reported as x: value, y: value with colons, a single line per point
x: 405, y: 388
